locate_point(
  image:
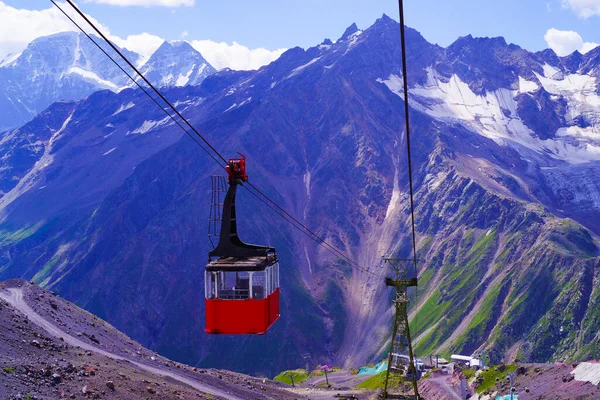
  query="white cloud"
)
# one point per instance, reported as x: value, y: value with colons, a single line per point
x: 144, y: 44
x: 583, y: 8
x: 184, y: 34
x: 145, y: 3
x: 588, y: 46
x: 235, y: 56
x: 21, y: 26
x: 566, y: 42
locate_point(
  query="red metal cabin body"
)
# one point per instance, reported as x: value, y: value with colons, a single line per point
x: 242, y: 296
x: 242, y: 284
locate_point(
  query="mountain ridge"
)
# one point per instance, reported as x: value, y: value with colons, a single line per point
x: 67, y: 66
x: 321, y: 128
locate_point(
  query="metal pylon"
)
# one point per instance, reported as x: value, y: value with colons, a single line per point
x: 401, y: 358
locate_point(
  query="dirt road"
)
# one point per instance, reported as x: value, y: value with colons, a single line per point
x: 337, y: 379
x: 441, y: 382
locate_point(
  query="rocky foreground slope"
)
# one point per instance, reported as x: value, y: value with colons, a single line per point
x: 50, y: 349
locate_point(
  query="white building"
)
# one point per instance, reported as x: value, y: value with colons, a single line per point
x: 471, y: 362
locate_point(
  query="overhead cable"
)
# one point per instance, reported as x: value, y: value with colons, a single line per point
x: 215, y: 153
x: 409, y: 161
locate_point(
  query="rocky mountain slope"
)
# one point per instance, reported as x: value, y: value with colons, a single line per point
x: 68, y: 66
x: 53, y: 349
x: 108, y: 207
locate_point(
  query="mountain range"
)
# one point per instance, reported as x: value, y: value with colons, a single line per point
x: 69, y: 66
x: 106, y: 201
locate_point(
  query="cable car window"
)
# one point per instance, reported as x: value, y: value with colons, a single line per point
x: 210, y: 284
x: 276, y: 273
x: 258, y: 285
x: 234, y: 286
x: 269, y: 276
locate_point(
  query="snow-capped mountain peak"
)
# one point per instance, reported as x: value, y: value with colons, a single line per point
x: 349, y: 31
x: 68, y: 66
x: 177, y: 63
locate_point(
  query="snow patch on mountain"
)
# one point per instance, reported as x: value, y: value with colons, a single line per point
x: 57, y: 134
x: 580, y: 93
x: 352, y: 40
x: 454, y: 99
x: 526, y: 86
x: 91, y: 76
x: 578, y: 132
x: 234, y: 105
x: 494, y: 114
x: 299, y: 69
x: 123, y: 108
x: 182, y: 79
x: 394, y: 83
x: 10, y: 59
x: 551, y: 72
x: 148, y: 125
x: 248, y: 100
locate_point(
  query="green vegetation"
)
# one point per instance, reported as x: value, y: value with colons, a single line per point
x: 476, y: 328
x: 488, y: 378
x: 378, y: 381
x: 9, y: 370
x: 448, y: 303
x: 431, y: 311
x: 299, y: 375
x: 468, y: 373
x: 8, y: 237
x: 425, y: 245
x: 425, y: 277
x: 46, y: 270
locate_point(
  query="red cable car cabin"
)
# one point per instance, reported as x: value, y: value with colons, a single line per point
x: 242, y: 296
x: 242, y: 285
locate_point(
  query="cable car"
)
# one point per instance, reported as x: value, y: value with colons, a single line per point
x: 241, y: 280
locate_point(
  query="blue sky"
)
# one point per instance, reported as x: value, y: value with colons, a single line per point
x: 277, y: 24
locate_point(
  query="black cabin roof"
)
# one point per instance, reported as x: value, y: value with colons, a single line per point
x: 242, y: 264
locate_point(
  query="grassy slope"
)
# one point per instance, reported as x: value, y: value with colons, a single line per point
x: 378, y: 381
x: 299, y: 375
x: 545, y: 287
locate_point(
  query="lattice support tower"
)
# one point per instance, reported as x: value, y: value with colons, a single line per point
x: 401, y: 359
